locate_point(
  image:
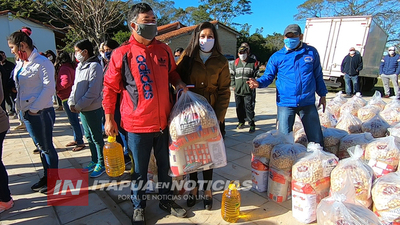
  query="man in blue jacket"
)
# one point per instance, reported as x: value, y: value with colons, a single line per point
x: 389, y: 70
x: 298, y: 73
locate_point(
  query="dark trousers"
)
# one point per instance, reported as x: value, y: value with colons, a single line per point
x: 207, y: 177
x: 245, y: 108
x: 5, y: 195
x: 141, y: 144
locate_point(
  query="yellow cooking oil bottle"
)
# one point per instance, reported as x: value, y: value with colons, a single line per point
x: 230, y: 206
x: 113, y: 157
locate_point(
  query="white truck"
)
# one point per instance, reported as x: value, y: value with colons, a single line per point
x: 333, y: 37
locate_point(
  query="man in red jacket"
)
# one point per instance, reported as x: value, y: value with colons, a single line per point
x: 141, y: 70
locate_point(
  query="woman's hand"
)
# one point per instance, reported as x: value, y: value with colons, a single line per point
x: 73, y: 109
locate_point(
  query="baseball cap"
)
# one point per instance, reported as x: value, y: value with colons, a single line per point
x: 392, y: 48
x: 242, y: 48
x: 292, y: 28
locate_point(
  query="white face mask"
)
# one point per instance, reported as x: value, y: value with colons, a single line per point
x: 391, y: 52
x: 50, y: 58
x: 79, y: 57
x: 243, y: 56
x: 102, y: 55
x: 352, y: 52
x: 206, y: 44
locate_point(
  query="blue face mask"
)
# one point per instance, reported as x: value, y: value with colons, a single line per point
x: 292, y: 43
x: 107, y: 55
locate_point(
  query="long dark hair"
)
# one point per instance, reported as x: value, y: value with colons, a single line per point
x: 62, y: 58
x: 21, y: 36
x: 85, y: 44
x: 193, y: 47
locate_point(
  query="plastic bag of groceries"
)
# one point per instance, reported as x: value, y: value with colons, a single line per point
x: 377, y: 126
x: 297, y: 124
x: 196, y: 142
x: 395, y: 131
x: 386, y: 197
x: 359, y: 173
x: 391, y: 115
x: 394, y: 103
x: 265, y: 142
x: 350, y: 106
x: 284, y: 155
x: 311, y: 182
x: 376, y: 100
x: 382, y: 155
x: 352, y: 140
x: 367, y: 112
x: 349, y: 123
x: 300, y: 137
x: 358, y: 99
x: 327, y: 119
x: 335, y: 103
x: 341, y: 208
x: 332, y: 137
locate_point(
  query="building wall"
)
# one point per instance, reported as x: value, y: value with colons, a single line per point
x: 227, y: 40
x: 43, y: 37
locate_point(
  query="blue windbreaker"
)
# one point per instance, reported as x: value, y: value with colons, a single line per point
x: 390, y: 65
x: 298, y: 76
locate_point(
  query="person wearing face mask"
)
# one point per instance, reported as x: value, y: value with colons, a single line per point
x: 241, y: 70
x: 85, y: 98
x: 203, y: 65
x: 351, y: 66
x: 140, y: 71
x: 177, y: 53
x: 298, y: 73
x: 390, y: 70
x: 35, y: 84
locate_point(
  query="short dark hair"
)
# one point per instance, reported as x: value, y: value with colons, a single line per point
x: 111, y: 44
x: 1, y: 52
x: 178, y: 50
x: 136, y: 10
x: 85, y: 44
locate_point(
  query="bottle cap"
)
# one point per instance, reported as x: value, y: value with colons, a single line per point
x: 111, y: 139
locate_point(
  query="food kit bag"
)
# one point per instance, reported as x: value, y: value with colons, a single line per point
x: 349, y: 122
x: 332, y: 137
x: 311, y: 182
x: 357, y: 98
x: 376, y: 100
x: 377, y: 126
x: 300, y: 137
x: 352, y: 140
x: 327, y: 118
x: 351, y: 106
x: 359, y: 173
x: 335, y: 103
x: 367, y: 112
x: 196, y: 142
x: 391, y: 115
x: 265, y: 142
x: 386, y: 197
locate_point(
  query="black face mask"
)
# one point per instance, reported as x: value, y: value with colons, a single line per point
x: 107, y: 55
x: 147, y: 31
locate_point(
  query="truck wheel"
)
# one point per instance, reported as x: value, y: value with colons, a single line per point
x: 367, y: 83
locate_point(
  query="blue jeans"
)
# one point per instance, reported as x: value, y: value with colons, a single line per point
x: 141, y: 145
x: 309, y: 117
x: 42, y: 129
x: 5, y: 194
x: 351, y: 79
x: 74, y: 121
x: 92, y: 122
x: 29, y: 129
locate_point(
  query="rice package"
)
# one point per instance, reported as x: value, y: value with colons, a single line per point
x: 359, y: 173
x: 376, y: 100
x: 341, y: 209
x: 311, y: 182
x: 332, y: 137
x: 196, y: 142
x: 382, y: 155
x: 367, y: 112
x: 259, y: 173
x: 377, y: 126
x: 352, y: 140
x: 386, y: 197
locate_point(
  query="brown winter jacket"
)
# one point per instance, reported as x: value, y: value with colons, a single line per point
x: 211, y: 80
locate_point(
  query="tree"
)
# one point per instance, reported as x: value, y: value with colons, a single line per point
x: 226, y: 10
x: 89, y: 19
x: 385, y: 12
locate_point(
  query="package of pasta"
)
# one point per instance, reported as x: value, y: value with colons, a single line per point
x: 342, y: 208
x: 332, y: 137
x: 265, y: 142
x: 376, y: 100
x: 382, y: 155
x: 311, y: 182
x: 196, y: 142
x: 386, y: 197
x: 349, y: 123
x: 352, y: 140
x: 327, y: 119
x: 367, y: 112
x: 359, y: 173
x: 377, y: 126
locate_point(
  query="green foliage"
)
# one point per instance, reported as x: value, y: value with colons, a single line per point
x: 122, y: 36
x: 226, y: 10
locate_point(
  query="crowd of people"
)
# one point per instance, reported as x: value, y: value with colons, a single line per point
x: 126, y: 92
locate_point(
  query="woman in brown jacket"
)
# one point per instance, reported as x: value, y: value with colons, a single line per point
x: 204, y: 66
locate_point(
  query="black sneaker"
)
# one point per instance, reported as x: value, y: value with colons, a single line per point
x: 252, y: 129
x: 42, y: 182
x: 240, y: 126
x: 127, y: 159
x: 138, y: 217
x: 43, y: 190
x: 173, y: 208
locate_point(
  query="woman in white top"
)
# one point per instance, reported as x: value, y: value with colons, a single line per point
x: 34, y: 79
